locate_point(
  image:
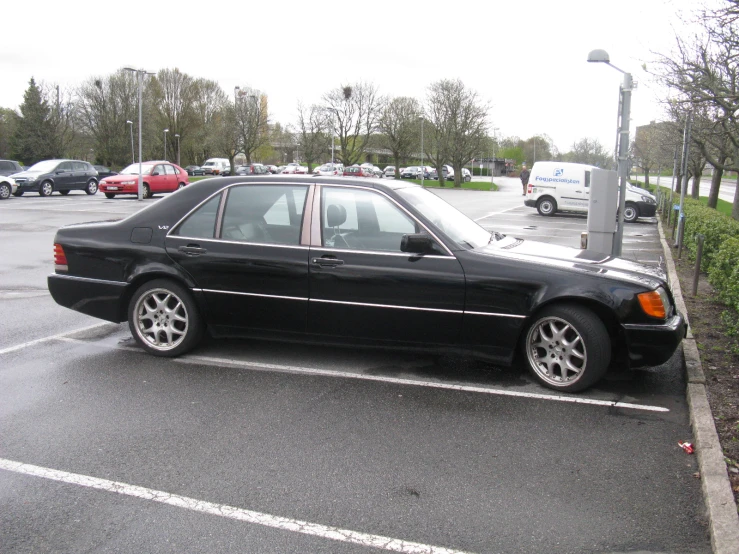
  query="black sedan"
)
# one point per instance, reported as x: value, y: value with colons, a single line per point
x: 358, y: 261
x: 193, y: 170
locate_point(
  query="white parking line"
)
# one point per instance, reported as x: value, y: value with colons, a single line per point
x: 498, y: 213
x: 52, y: 337
x: 220, y: 362
x: 230, y: 512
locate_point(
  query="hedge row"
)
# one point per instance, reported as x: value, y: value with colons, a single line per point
x: 720, y: 248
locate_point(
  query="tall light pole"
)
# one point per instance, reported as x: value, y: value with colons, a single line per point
x: 333, y: 128
x: 165, y: 143
x: 140, y: 76
x: 423, y: 169
x: 133, y: 155
x: 495, y: 152
x: 624, y: 113
x: 178, y: 148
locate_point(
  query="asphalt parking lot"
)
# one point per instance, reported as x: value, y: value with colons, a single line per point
x: 263, y: 447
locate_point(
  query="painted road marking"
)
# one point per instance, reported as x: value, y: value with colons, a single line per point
x: 52, y: 337
x: 230, y: 512
x: 500, y: 212
x: 260, y: 366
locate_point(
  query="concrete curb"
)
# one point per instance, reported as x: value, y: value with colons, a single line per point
x: 723, y: 521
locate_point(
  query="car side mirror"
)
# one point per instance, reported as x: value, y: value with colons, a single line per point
x: 416, y: 243
x: 155, y: 173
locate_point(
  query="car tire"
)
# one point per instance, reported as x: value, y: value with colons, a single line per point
x: 164, y: 319
x: 631, y: 212
x: 64, y: 192
x: 546, y: 206
x: 109, y: 195
x: 567, y: 348
x: 180, y: 186
x: 5, y: 191
x: 147, y: 191
x: 18, y: 193
x: 91, y: 187
x: 467, y: 178
x: 46, y: 188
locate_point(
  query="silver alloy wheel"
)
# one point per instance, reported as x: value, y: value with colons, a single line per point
x: 92, y: 187
x: 161, y: 319
x: 546, y: 206
x: 556, y: 351
x: 46, y: 188
x: 5, y: 191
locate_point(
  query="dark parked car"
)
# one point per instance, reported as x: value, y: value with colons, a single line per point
x: 252, y: 169
x: 312, y: 259
x: 104, y: 172
x: 193, y: 170
x: 57, y: 176
x: 9, y: 167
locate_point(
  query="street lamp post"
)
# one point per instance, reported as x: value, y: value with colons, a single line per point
x: 495, y: 153
x: 333, y: 128
x: 140, y: 77
x: 601, y: 56
x: 423, y: 168
x: 133, y: 155
x: 177, y: 136
x: 165, y: 143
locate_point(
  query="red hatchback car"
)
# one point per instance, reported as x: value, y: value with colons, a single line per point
x: 158, y: 177
x: 356, y: 171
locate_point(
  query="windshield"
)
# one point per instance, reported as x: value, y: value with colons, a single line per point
x: 457, y: 226
x: 133, y: 169
x: 43, y: 167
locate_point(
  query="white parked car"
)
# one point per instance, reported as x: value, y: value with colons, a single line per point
x: 329, y: 169
x: 389, y: 171
x: 8, y: 186
x: 293, y: 167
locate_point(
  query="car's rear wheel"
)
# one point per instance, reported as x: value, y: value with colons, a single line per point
x: 547, y: 206
x: 109, y: 195
x: 18, y: 193
x: 163, y: 318
x: 567, y: 348
x: 5, y: 191
x: 467, y: 178
x: 181, y: 186
x: 46, y: 188
x: 91, y: 187
x: 64, y: 192
x: 631, y: 212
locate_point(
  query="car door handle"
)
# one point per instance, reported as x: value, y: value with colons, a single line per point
x: 192, y: 250
x: 327, y: 262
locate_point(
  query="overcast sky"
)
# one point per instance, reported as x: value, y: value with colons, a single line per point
x: 527, y: 58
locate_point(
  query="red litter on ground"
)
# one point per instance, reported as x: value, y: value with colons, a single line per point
x: 686, y: 446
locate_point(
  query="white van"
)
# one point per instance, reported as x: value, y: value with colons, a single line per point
x: 216, y: 166
x: 565, y: 187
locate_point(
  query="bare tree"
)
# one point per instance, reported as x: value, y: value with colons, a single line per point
x: 399, y: 123
x: 252, y: 120
x: 589, y: 151
x: 174, y: 96
x: 208, y: 102
x: 356, y: 109
x: 314, y: 130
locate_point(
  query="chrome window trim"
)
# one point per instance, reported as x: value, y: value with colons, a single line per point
x: 251, y: 294
x: 385, y: 253
x: 370, y: 189
x: 224, y: 241
x: 222, y: 191
x: 91, y: 280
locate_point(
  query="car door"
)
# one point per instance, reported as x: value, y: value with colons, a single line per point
x: 80, y: 174
x: 171, y: 178
x: 575, y: 194
x: 64, y: 176
x: 244, y: 249
x: 363, y: 287
x: 158, y: 179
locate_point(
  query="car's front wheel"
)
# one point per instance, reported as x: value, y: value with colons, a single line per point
x: 567, y: 347
x: 18, y: 193
x: 64, y: 192
x: 147, y: 191
x: 631, y: 212
x: 547, y: 206
x: 46, y: 188
x: 163, y: 318
x: 109, y: 195
x: 91, y: 187
x: 5, y: 191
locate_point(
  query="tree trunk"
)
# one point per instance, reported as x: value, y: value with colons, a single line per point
x: 695, y: 193
x: 646, y: 178
x: 718, y: 173
x: 678, y: 182
x: 396, y: 157
x: 440, y: 174
x: 457, y: 176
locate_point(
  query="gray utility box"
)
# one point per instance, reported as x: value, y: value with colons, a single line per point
x: 602, y: 210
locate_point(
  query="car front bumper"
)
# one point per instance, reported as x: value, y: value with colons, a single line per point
x: 647, y: 209
x: 651, y: 345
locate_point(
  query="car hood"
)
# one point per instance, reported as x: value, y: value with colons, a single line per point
x: 111, y: 179
x: 585, y: 261
x: 26, y: 174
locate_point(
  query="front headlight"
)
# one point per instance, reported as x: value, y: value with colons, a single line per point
x: 648, y: 199
x: 656, y: 303
x: 128, y: 182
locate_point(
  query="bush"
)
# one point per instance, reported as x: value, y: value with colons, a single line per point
x: 723, y: 272
x: 717, y: 228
